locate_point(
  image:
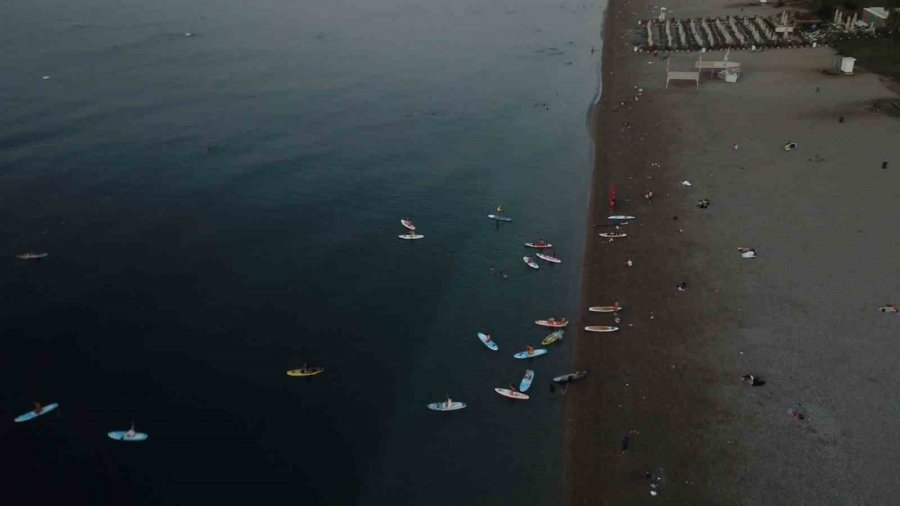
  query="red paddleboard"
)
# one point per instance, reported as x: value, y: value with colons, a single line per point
x: 553, y: 322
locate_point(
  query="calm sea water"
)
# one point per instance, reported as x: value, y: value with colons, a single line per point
x: 222, y: 207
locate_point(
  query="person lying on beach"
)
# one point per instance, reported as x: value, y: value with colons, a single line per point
x: 888, y: 308
x: 703, y: 203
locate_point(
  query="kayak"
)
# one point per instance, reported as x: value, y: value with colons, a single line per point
x: 498, y: 217
x: 604, y: 309
x: 448, y: 405
x: 406, y: 222
x: 552, y: 338
x: 549, y: 258
x: 613, y: 235
x: 538, y: 245
x: 31, y: 256
x: 551, y: 322
x: 411, y: 236
x: 601, y: 328
x: 530, y: 262
x: 127, y: 435
x: 525, y: 384
x: 525, y: 354
x: 622, y: 217
x: 565, y: 378
x: 306, y: 372
x: 486, y: 339
x: 512, y: 394
x: 31, y: 415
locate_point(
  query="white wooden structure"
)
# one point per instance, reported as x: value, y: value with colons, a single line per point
x: 674, y: 75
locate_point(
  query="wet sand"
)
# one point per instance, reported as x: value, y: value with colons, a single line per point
x: 803, y: 315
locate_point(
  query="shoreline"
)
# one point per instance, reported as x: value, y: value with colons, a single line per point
x: 668, y: 381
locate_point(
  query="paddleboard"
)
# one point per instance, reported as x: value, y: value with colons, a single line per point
x: 525, y: 384
x: 565, y: 378
x: 529, y: 261
x: 604, y: 309
x: 512, y: 394
x: 535, y: 353
x: 550, y: 322
x: 31, y: 256
x: 306, y: 372
x: 448, y: 405
x: 613, y: 235
x: 538, y: 245
x: 122, y: 435
x: 548, y: 258
x: 621, y: 217
x: 488, y: 341
x: 410, y: 236
x: 601, y: 328
x: 553, y: 337
x: 408, y: 224
x: 498, y: 217
x: 32, y: 415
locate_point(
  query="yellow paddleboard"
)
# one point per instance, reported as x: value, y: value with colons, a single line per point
x: 311, y: 371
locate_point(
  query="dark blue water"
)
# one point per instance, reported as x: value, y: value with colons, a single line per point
x: 222, y: 207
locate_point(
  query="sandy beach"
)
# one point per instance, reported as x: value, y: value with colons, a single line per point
x: 664, y: 404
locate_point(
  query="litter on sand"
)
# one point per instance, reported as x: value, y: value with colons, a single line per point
x: 790, y: 146
x: 747, y: 252
x: 752, y: 380
x: 686, y: 183
x: 681, y: 287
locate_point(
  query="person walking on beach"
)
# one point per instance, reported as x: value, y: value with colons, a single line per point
x: 612, y: 198
x: 648, y: 195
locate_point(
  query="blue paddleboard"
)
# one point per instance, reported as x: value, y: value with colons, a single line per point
x: 526, y: 381
x: 122, y: 435
x: 32, y: 415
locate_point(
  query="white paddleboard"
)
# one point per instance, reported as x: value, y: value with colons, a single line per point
x: 31, y: 415
x: 604, y: 309
x: 488, y: 341
x: 613, y: 235
x: 498, y: 217
x: 538, y: 245
x: 411, y: 236
x: 447, y: 405
x: 622, y: 217
x: 525, y: 354
x: 529, y: 261
x: 512, y: 394
x: 548, y: 258
x: 601, y: 328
